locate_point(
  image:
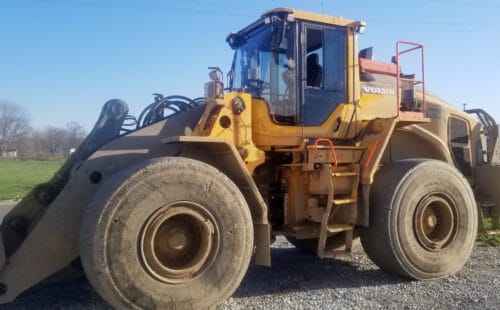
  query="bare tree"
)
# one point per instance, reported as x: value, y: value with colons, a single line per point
x: 75, y: 134
x: 16, y: 133
x: 55, y: 138
x: 14, y: 124
x: 33, y: 146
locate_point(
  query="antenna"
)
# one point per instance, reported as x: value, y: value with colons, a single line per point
x: 322, y: 7
x: 464, y: 104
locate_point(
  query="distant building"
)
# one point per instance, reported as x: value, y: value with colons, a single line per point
x: 11, y: 153
x: 9, y: 150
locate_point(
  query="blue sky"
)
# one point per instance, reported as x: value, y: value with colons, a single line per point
x: 62, y: 59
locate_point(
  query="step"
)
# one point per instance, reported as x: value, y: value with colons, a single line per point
x: 345, y: 174
x: 337, y: 147
x: 487, y: 204
x: 344, y: 201
x: 335, y: 228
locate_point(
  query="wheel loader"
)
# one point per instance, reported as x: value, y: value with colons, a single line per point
x: 308, y: 138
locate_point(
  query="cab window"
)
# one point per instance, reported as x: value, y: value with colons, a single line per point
x: 324, y: 72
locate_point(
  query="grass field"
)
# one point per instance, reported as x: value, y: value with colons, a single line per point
x: 18, y: 177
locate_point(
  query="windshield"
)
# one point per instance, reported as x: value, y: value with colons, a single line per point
x: 264, y: 66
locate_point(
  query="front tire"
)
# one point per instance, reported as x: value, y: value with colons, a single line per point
x: 170, y: 233
x: 423, y: 220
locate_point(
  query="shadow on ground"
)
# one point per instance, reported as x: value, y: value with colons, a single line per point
x: 292, y: 270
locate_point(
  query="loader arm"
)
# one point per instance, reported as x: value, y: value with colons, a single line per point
x: 51, y: 242
x: 18, y: 223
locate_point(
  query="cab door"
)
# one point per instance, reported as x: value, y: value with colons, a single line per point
x: 324, y: 72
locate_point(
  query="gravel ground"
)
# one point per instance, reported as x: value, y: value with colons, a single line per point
x: 301, y: 281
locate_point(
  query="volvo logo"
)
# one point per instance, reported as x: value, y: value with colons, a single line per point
x: 378, y: 90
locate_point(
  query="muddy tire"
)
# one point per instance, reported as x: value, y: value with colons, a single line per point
x: 170, y: 233
x: 423, y: 220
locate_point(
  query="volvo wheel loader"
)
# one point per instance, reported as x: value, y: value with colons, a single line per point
x: 308, y: 138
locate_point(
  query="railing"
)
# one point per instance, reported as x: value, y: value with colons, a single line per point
x: 405, y: 47
x: 332, y: 149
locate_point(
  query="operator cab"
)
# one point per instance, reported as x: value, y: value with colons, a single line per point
x: 264, y: 65
x: 297, y: 62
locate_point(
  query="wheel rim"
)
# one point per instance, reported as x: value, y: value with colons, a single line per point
x: 179, y: 242
x: 435, y: 221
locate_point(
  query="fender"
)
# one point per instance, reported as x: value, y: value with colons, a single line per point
x: 223, y: 155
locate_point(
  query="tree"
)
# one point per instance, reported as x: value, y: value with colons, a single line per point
x: 53, y: 141
x: 33, y: 146
x: 55, y: 138
x: 14, y: 124
x: 75, y: 134
x: 16, y: 133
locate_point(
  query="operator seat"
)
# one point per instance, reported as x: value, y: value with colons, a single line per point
x: 314, y: 71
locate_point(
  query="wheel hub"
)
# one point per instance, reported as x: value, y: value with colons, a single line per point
x: 179, y: 242
x: 432, y: 221
x: 435, y: 221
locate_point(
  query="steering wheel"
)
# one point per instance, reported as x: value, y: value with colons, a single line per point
x: 257, y: 85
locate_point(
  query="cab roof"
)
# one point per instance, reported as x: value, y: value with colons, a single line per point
x: 315, y: 17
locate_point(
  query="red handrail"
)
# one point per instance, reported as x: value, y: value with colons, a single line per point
x: 416, y: 46
x: 372, y: 151
x: 332, y: 149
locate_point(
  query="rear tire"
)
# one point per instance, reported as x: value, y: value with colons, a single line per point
x: 423, y: 219
x: 170, y: 233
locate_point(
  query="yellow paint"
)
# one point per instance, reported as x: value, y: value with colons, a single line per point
x: 267, y: 134
x: 239, y: 131
x: 375, y: 105
x: 315, y: 17
x: 344, y: 112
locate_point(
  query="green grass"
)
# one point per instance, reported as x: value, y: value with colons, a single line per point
x: 18, y: 177
x: 486, y: 239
